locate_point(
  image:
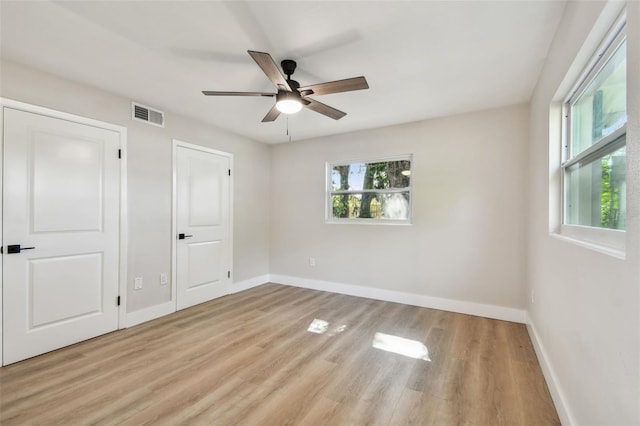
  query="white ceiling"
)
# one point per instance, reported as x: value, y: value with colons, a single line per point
x: 422, y: 59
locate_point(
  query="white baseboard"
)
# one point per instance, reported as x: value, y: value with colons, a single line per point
x: 150, y: 313
x: 469, y: 308
x: 557, y: 395
x: 247, y: 284
x: 157, y: 311
x: 463, y: 307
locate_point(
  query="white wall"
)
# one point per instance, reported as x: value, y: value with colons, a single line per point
x: 150, y: 174
x: 585, y: 317
x: 467, y: 238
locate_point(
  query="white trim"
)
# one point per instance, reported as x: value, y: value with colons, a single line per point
x: 413, y: 299
x: 247, y: 284
x: 22, y: 106
x: 469, y: 308
x: 174, y: 230
x: 1, y: 225
x: 168, y: 308
x: 124, y: 231
x: 557, y: 395
x: 399, y: 157
x: 584, y: 240
x: 356, y: 221
x: 150, y: 313
x: 122, y: 131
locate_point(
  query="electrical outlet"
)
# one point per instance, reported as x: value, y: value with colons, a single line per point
x: 312, y: 261
x: 163, y: 279
x: 137, y: 283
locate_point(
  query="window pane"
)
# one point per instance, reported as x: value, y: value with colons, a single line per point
x: 371, y: 206
x: 602, y: 108
x: 379, y: 175
x: 596, y: 192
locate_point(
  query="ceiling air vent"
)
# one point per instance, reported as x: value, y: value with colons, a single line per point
x: 141, y: 112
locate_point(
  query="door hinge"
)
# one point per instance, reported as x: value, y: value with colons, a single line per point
x: 119, y: 153
x: 229, y: 172
x: 118, y: 301
x: 228, y: 274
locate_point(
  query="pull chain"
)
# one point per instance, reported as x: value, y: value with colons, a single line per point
x: 288, y: 129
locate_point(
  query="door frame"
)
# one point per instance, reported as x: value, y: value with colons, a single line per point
x: 174, y: 208
x: 122, y: 131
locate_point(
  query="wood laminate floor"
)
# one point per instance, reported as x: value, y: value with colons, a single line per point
x: 249, y: 359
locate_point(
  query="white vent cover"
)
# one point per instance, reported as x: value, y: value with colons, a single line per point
x: 141, y: 112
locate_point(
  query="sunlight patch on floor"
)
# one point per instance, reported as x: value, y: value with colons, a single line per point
x: 401, y: 346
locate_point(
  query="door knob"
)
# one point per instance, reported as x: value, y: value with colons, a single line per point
x: 15, y: 248
x: 183, y: 236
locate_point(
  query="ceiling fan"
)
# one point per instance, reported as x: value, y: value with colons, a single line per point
x: 290, y: 97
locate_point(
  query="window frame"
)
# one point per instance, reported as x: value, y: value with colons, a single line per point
x: 608, y: 240
x: 329, y: 192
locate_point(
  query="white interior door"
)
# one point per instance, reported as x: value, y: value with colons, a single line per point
x: 203, y: 240
x: 60, y: 232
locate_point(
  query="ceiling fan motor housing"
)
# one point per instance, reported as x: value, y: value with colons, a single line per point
x: 288, y: 66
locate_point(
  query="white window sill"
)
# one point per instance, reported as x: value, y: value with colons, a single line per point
x: 606, y: 241
x: 367, y: 222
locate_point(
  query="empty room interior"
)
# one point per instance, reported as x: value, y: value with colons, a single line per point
x: 312, y: 212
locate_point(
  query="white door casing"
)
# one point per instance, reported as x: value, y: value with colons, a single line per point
x: 61, y: 195
x: 202, y: 223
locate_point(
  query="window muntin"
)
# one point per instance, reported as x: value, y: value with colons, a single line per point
x: 594, y: 171
x: 373, y: 191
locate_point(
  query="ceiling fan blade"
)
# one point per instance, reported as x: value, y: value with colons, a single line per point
x: 269, y: 67
x: 323, y: 109
x: 347, y: 85
x: 214, y: 93
x: 271, y: 115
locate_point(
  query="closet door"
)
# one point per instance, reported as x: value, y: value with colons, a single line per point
x: 203, y: 258
x: 61, y: 194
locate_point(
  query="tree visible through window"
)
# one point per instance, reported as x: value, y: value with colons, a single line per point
x: 370, y: 190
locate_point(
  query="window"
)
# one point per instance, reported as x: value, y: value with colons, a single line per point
x: 372, y: 191
x: 594, y: 160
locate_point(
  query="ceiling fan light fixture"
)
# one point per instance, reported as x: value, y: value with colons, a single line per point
x: 288, y: 102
